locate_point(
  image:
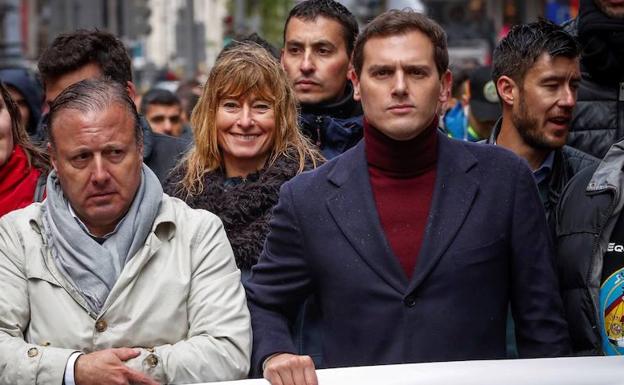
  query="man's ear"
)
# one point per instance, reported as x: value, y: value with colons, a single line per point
x: 132, y: 92
x: 507, y: 90
x: 445, y: 90
x: 52, y: 154
x: 350, y: 71
x: 356, y: 83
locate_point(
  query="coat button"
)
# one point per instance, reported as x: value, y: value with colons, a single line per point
x: 32, y: 352
x: 151, y: 360
x: 410, y: 301
x: 101, y: 326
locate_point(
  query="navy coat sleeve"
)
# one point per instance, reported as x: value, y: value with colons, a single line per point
x: 279, y: 284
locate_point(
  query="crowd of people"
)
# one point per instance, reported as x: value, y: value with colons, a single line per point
x: 351, y: 200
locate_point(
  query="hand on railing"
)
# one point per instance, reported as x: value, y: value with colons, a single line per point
x: 290, y: 369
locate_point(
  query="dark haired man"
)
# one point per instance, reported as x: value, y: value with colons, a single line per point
x: 110, y: 281
x: 163, y: 111
x: 318, y: 41
x: 598, y: 121
x: 536, y: 71
x: 87, y: 54
x: 414, y: 243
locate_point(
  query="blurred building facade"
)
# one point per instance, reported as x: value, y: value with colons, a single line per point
x: 181, y: 35
x: 184, y: 36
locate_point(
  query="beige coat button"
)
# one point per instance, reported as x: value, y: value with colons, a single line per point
x: 151, y: 360
x: 101, y: 326
x: 32, y: 352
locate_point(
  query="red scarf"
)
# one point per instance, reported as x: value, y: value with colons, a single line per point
x: 18, y: 181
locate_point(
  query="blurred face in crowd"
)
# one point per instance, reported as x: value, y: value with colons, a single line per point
x: 547, y: 99
x: 165, y: 119
x: 98, y: 163
x: 399, y: 86
x: 54, y: 87
x: 245, y: 133
x: 22, y: 105
x: 612, y: 8
x: 6, y: 134
x: 315, y: 59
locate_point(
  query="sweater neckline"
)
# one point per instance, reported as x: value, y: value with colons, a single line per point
x: 401, y: 158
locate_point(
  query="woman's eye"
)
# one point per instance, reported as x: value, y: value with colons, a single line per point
x: 230, y: 104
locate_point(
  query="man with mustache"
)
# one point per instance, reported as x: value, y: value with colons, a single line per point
x: 536, y: 72
x: 413, y: 243
x: 318, y: 41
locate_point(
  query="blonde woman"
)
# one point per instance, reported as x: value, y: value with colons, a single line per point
x: 247, y: 144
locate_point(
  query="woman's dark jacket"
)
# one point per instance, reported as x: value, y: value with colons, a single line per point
x: 244, y: 205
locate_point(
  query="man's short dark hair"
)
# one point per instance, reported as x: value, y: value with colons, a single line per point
x: 395, y: 22
x: 516, y: 53
x: 253, y: 38
x: 159, y: 96
x: 94, y: 95
x: 310, y: 10
x: 71, y: 51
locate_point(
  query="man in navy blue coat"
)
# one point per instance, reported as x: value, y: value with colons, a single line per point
x: 414, y: 244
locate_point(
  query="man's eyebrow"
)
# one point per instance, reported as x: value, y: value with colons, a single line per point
x: 417, y: 67
x: 379, y: 67
x: 323, y: 42
x: 314, y: 43
x: 78, y: 151
x: 554, y: 78
x: 293, y: 42
x: 113, y: 146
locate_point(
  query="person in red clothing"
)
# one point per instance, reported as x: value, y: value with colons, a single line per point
x: 23, y: 167
x: 414, y: 244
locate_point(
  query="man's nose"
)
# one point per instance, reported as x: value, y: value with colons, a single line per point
x: 99, y: 174
x: 307, y: 63
x: 400, y: 87
x: 568, y: 97
x: 167, y: 126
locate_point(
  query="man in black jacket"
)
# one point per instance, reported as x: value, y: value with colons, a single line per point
x: 589, y: 225
x: 536, y: 71
x: 598, y: 121
x: 318, y: 41
x: 86, y: 54
x: 590, y: 256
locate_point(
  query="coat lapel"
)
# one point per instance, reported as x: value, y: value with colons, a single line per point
x: 353, y: 208
x: 454, y: 193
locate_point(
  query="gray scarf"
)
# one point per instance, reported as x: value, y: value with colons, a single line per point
x: 93, y: 268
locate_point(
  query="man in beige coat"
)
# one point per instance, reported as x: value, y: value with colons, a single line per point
x: 110, y: 281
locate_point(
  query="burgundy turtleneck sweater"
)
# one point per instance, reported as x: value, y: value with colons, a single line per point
x: 402, y: 175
